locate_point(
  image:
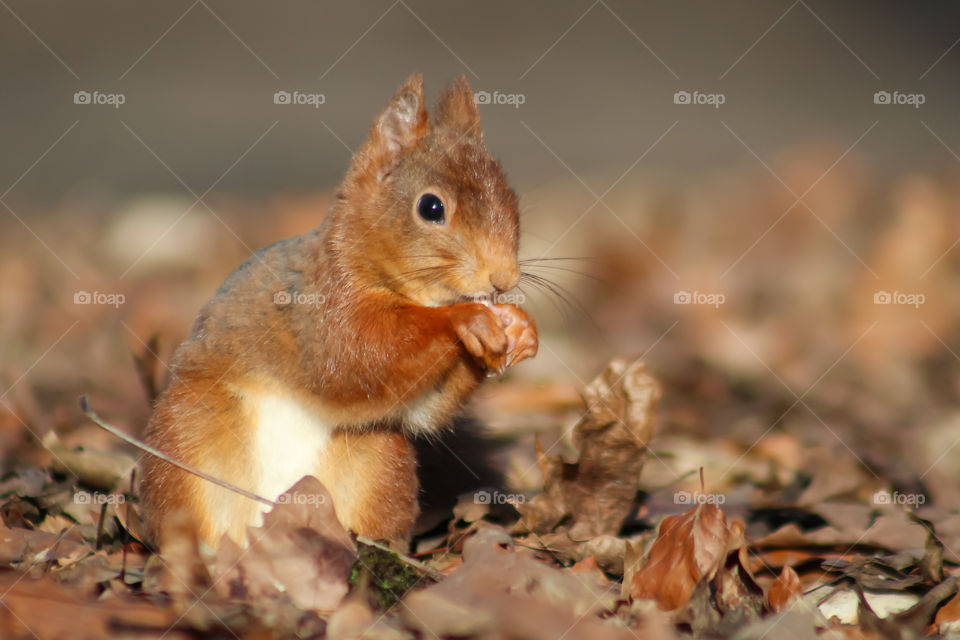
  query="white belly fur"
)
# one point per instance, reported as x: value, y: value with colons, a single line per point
x: 289, y: 440
x: 425, y: 413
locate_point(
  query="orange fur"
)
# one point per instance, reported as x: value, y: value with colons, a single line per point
x: 336, y: 345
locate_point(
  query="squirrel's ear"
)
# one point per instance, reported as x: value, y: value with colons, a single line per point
x: 401, y: 124
x: 458, y: 109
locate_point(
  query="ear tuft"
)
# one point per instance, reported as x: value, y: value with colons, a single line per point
x: 404, y: 122
x: 394, y: 133
x: 458, y: 109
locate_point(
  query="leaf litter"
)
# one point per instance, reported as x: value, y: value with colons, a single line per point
x: 820, y: 533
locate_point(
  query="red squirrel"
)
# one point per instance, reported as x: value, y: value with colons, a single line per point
x: 322, y: 354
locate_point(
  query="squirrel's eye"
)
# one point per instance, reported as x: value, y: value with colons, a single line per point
x: 430, y: 208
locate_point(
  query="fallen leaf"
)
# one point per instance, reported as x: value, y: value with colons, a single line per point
x: 910, y: 623
x: 736, y: 591
x: 594, y: 495
x: 689, y: 547
x: 784, y: 590
x: 301, y: 549
x: 948, y: 617
x: 48, y: 610
x: 99, y: 469
x: 843, y: 603
x: 523, y: 598
x: 608, y: 551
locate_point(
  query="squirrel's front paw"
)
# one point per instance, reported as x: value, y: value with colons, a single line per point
x: 482, y: 333
x: 521, y: 330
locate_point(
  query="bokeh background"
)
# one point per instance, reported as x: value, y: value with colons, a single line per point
x: 814, y: 167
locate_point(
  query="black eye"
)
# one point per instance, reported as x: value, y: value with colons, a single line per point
x: 430, y: 208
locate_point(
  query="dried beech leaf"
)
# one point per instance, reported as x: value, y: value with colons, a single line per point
x: 784, y: 590
x: 609, y: 552
x: 689, y: 547
x: 503, y: 592
x: 948, y: 617
x: 45, y: 608
x: 910, y: 623
x: 100, y: 469
x: 736, y: 591
x: 301, y: 549
x: 183, y: 571
x: 594, y: 495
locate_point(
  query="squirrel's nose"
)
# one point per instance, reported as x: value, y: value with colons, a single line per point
x: 505, y: 279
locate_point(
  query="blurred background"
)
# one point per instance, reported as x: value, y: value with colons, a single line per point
x: 759, y: 197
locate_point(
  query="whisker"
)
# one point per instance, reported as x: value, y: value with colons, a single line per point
x: 561, y: 292
x: 568, y: 259
x: 547, y: 294
x: 568, y: 270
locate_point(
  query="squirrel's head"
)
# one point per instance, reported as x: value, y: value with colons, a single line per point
x: 424, y: 210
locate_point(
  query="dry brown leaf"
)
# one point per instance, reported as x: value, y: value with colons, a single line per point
x: 594, y: 495
x: 910, y: 623
x: 45, y: 609
x: 948, y: 617
x: 688, y: 548
x: 100, y: 469
x: 735, y: 588
x: 502, y: 592
x: 784, y: 590
x: 609, y: 553
x: 180, y: 568
x: 28, y: 546
x: 301, y: 550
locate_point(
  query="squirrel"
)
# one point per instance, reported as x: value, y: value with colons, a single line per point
x: 325, y: 353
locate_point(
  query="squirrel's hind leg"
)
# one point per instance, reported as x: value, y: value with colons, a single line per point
x: 204, y: 425
x: 373, y: 480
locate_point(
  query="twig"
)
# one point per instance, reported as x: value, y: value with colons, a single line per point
x: 126, y: 531
x: 85, y: 407
x: 103, y: 516
x: 146, y: 364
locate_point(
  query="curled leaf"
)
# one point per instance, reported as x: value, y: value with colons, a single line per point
x: 594, y: 495
x: 689, y: 547
x: 784, y: 590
